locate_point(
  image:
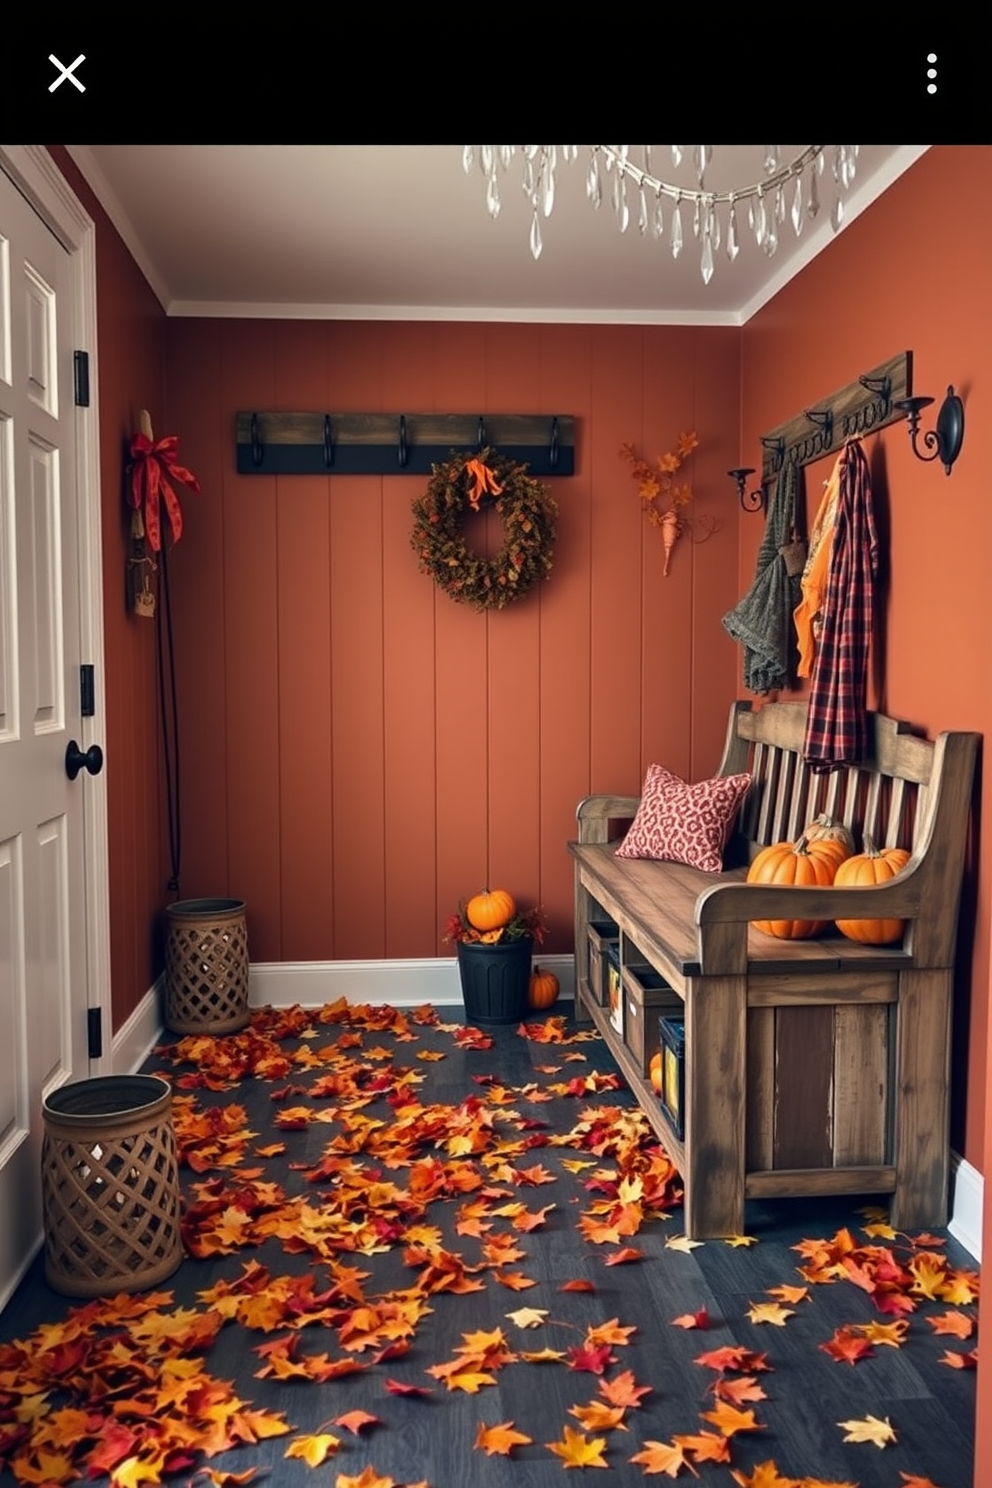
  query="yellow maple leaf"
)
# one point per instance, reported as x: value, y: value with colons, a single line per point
x: 682, y: 1242
x: 738, y: 1240
x: 543, y: 1356
x: 577, y: 1450
x: 660, y: 1457
x: 131, y: 1474
x: 881, y: 1231
x: 499, y: 1440
x: 892, y: 1334
x: 770, y: 1312
x: 469, y: 1380
x: 314, y: 1449
x: 528, y: 1317
x: 871, y: 1429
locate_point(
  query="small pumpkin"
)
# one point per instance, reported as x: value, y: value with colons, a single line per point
x: 490, y: 910
x: 824, y: 828
x: 543, y: 989
x: 874, y: 865
x: 654, y: 1072
x: 799, y: 864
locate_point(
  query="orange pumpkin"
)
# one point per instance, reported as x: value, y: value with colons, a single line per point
x: 543, y: 989
x: 824, y: 828
x: 874, y: 865
x: 654, y: 1072
x: 490, y: 911
x: 797, y: 864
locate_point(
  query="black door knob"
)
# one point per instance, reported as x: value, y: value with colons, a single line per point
x: 76, y: 759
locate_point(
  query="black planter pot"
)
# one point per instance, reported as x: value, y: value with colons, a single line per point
x: 495, y: 979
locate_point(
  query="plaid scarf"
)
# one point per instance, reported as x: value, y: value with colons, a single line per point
x: 836, y: 722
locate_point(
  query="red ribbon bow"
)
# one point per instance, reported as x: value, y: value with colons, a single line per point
x: 152, y: 464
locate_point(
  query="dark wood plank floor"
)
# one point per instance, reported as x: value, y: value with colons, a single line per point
x: 931, y: 1406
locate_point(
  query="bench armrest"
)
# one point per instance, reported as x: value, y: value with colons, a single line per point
x: 724, y: 911
x: 596, y: 813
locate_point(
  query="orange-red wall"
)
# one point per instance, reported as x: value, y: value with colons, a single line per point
x: 913, y: 274
x: 359, y: 751
x: 905, y: 277
x: 130, y: 377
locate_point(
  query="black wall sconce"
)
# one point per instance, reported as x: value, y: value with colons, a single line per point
x: 751, y: 501
x: 946, y: 439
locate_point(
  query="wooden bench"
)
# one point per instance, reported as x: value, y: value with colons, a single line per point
x: 811, y: 1067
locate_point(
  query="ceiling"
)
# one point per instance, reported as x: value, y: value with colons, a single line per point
x: 402, y: 232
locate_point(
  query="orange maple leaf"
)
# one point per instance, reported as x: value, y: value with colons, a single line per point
x: 499, y: 1440
x: 957, y: 1323
x: 737, y: 1391
x: 597, y: 1416
x: 959, y: 1361
x: 623, y: 1257
x: 660, y: 1457
x: 355, y: 1420
x: 705, y: 1447
x: 765, y: 1475
x: 623, y: 1390
x: 847, y: 1346
x: 700, y: 1319
x: 729, y: 1420
x: 577, y: 1450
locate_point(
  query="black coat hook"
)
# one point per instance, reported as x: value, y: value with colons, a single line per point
x: 402, y: 453
x: 257, y: 451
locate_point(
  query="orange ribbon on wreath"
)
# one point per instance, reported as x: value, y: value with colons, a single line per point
x: 153, y: 463
x: 482, y: 482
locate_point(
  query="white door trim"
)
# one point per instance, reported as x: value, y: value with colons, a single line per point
x: 37, y: 177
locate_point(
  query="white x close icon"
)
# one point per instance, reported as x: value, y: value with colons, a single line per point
x: 66, y: 72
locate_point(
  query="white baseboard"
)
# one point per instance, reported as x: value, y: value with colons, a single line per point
x: 413, y: 982
x: 133, y: 1042
x: 399, y: 983
x: 967, y: 1197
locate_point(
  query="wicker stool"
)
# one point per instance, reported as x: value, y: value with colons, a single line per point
x: 110, y: 1186
x: 206, y: 966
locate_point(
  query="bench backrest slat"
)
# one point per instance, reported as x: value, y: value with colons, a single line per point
x: 883, y: 795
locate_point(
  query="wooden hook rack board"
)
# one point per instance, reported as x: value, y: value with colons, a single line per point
x: 862, y: 407
x: 397, y: 443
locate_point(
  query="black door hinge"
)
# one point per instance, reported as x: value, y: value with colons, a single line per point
x: 94, y: 1032
x: 81, y: 378
x: 87, y: 690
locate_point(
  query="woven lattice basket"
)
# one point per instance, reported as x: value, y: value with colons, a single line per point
x: 206, y: 966
x: 110, y: 1186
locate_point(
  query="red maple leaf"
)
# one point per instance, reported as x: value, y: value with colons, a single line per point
x: 847, y: 1347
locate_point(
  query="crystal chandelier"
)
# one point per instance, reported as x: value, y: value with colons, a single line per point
x: 788, y: 191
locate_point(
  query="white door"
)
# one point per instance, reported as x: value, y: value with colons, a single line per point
x: 43, y: 952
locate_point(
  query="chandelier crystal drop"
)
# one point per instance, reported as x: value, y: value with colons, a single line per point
x: 788, y: 192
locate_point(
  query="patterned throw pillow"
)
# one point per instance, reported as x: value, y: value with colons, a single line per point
x: 681, y: 823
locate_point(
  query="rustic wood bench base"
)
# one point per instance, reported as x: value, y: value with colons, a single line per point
x: 810, y: 1067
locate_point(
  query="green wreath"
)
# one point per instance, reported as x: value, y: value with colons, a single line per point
x: 528, y: 514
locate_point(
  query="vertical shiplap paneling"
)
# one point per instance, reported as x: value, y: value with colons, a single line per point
x: 715, y: 662
x: 304, y: 661
x: 199, y: 412
x: 563, y: 720
x: 409, y: 710
x: 514, y: 656
x: 251, y: 674
x: 667, y: 636
x: 357, y: 671
x: 615, y: 661
x: 462, y: 739
x: 416, y: 748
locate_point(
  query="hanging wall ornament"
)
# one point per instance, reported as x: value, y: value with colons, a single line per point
x: 472, y: 483
x: 153, y: 466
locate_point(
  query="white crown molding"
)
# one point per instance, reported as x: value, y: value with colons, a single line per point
x: 104, y: 193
